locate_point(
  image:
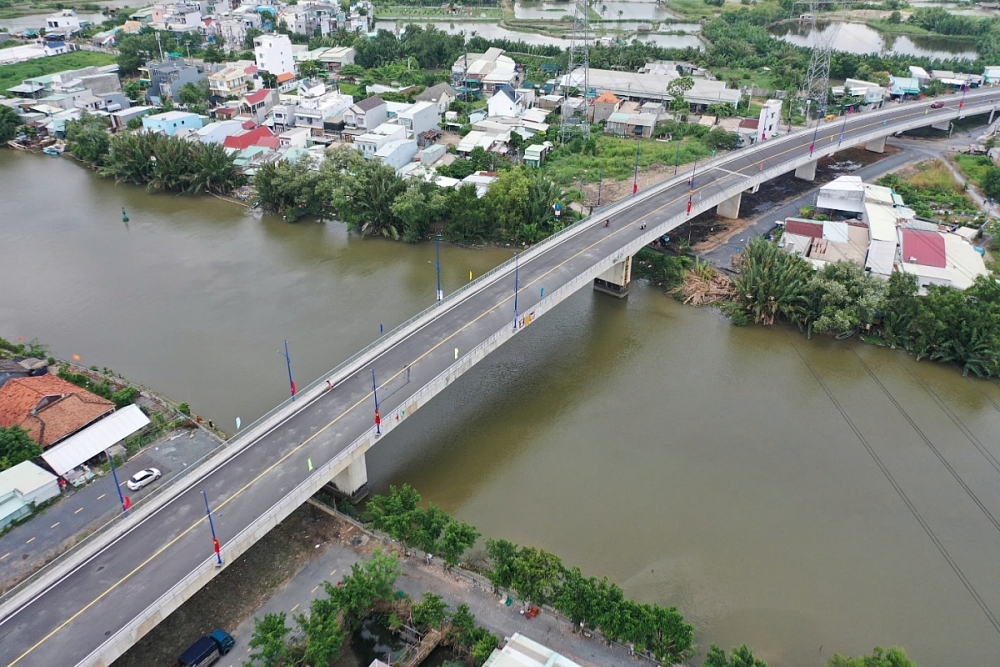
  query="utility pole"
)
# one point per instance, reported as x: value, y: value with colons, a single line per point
x: 288, y: 362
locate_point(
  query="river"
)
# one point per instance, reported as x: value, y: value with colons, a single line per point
x: 693, y: 462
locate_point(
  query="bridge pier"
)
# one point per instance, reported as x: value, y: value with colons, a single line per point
x: 876, y: 145
x: 352, y: 481
x: 806, y: 172
x: 944, y: 125
x: 730, y: 208
x: 615, y: 280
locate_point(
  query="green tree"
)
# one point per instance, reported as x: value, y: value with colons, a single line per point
x: 537, y: 575
x: 463, y: 622
x: 324, y: 638
x: 740, y: 657
x: 368, y: 196
x: 395, y: 513
x: 369, y: 581
x: 9, y: 122
x: 503, y: 559
x: 293, y: 189
x: 133, y: 90
x: 310, y: 68
x: 16, y: 445
x: 457, y: 538
x: 194, y: 93
x: 430, y: 613
x: 268, y: 647
x: 270, y: 80
x: 483, y: 648
x: 87, y: 139
x: 880, y: 657
x: 214, y: 170
x: 417, y: 208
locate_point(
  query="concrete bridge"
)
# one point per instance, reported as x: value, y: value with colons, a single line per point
x: 93, y: 603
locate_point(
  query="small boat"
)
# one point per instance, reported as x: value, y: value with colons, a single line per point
x: 49, y: 150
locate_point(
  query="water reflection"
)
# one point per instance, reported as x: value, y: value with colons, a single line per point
x: 861, y: 39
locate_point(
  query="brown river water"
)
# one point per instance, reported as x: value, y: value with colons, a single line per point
x: 802, y: 496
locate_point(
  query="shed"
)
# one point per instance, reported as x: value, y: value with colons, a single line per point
x: 22, y: 486
x: 94, y: 439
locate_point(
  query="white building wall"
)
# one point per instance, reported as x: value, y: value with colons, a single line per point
x: 274, y: 54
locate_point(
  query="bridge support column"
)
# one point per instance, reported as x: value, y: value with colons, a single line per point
x: 615, y: 280
x: 806, y: 172
x: 731, y: 207
x: 353, y: 480
x: 876, y: 145
x: 990, y: 121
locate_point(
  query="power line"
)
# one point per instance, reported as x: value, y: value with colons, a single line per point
x: 899, y: 490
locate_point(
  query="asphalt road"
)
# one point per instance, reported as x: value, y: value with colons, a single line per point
x: 66, y: 622
x: 45, y: 535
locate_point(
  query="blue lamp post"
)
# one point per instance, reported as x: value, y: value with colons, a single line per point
x: 288, y: 362
x: 216, y: 547
x: 437, y: 265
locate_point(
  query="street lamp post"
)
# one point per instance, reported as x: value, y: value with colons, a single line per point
x: 378, y: 417
x: 118, y: 488
x: 600, y: 183
x: 635, y: 177
x: 288, y: 362
x: 516, y: 278
x: 211, y: 524
x: 437, y: 265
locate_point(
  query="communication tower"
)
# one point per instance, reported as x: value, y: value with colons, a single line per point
x: 575, y: 119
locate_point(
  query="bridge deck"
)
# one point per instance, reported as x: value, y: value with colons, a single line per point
x: 74, y: 616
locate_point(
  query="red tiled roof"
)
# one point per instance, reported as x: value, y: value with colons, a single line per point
x: 258, y: 96
x: 65, y: 408
x: 269, y: 142
x: 803, y: 228
x: 749, y: 123
x: 608, y: 97
x: 923, y: 247
x: 251, y: 69
x: 249, y: 125
x: 225, y: 111
x: 247, y: 138
x: 284, y: 76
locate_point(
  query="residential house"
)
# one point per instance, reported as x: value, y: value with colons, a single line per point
x: 273, y: 53
x: 22, y: 487
x: 296, y: 137
x: 604, y: 105
x: 769, y: 121
x: 258, y: 104
x: 442, y: 95
x: 49, y: 408
x: 311, y: 107
x: 286, y: 82
x: 121, y: 119
x: 920, y: 74
x: 247, y: 138
x: 535, y: 154
x: 370, y: 142
x: 367, y: 114
x: 25, y: 52
x: 506, y: 102
x: 216, y: 133
x: 630, y: 124
x: 64, y: 23
x: 872, y: 94
x: 486, y: 71
x: 95, y: 80
x: 165, y: 79
x: 334, y: 59
x: 419, y: 118
x: 169, y: 122
x: 231, y: 81
x: 233, y: 27
x: 396, y: 153
x: 900, y: 87
x: 95, y: 441
x: 481, y: 180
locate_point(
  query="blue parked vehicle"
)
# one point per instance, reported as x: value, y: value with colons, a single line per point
x: 206, y: 650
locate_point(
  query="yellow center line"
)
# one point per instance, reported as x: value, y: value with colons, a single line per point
x: 336, y: 419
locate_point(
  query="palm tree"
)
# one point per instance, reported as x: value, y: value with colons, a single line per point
x: 214, y: 170
x: 9, y: 122
x: 620, y: 14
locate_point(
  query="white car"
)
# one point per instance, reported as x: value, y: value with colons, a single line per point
x: 142, y: 478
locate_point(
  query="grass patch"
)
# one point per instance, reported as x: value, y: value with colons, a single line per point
x: 884, y: 26
x: 11, y: 75
x: 973, y: 167
x: 933, y: 193
x: 693, y: 9
x: 934, y: 175
x: 615, y: 159
x: 418, y: 12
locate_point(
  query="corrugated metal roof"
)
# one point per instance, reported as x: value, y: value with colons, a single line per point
x: 881, y: 257
x: 25, y: 477
x: 882, y: 222
x: 94, y: 439
x: 924, y: 248
x: 804, y: 228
